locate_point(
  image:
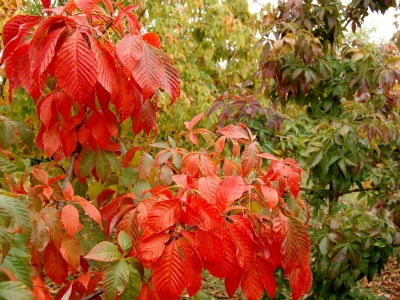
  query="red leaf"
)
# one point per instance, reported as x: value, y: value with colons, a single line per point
x: 150, y: 249
x: 52, y: 217
x: 76, y: 70
x: 190, y: 125
x: 11, y: 28
x: 152, y: 39
x: 211, y: 218
x: 147, y: 293
x: 192, y: 267
x: 39, y: 289
x: 250, y: 158
x: 232, y: 283
x: 70, y: 250
x: 168, y: 273
x: 64, y: 104
x: 40, y: 175
x: 164, y: 214
x: 130, y: 49
x: 19, y: 35
x: 129, y: 155
x: 267, y: 277
x: 144, y: 118
x: 209, y: 245
x: 230, y: 189
x: 98, y: 128
x: 125, y: 99
x: 46, y: 3
x: 89, y: 209
x: 47, y: 109
x: 271, y: 196
x: 300, y: 280
x: 251, y: 283
x: 207, y: 187
x: 70, y: 219
x: 228, y: 265
x: 45, y: 55
x: 234, y: 132
x: 171, y: 82
x: 295, y: 246
x: 184, y: 182
x: 68, y: 140
x: 34, y: 86
x: 55, y: 265
x: 149, y: 71
x: 146, y: 162
x: 51, y: 139
x: 86, y: 6
x: 244, y: 245
x: 220, y: 144
x: 112, y: 124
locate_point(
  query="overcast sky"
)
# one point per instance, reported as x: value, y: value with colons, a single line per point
x: 383, y: 24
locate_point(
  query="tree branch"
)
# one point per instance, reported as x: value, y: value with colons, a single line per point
x: 94, y: 295
x: 309, y: 190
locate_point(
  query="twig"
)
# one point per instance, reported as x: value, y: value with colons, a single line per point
x: 70, y: 175
x: 94, y: 295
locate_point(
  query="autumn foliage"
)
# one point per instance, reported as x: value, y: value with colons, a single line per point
x: 228, y: 208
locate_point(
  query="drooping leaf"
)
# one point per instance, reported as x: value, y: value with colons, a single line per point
x: 211, y: 218
x: 251, y: 283
x: 271, y: 196
x: 192, y: 267
x: 70, y: 250
x: 132, y: 289
x: 6, y: 240
x: 300, y: 280
x: 18, y: 212
x: 89, y: 209
x: 15, y: 290
x: 70, y: 219
x: 145, y: 164
x: 168, y: 272
x: 77, y: 69
x: 6, y: 134
x: 250, y: 158
x: 19, y: 266
x: 149, y: 71
x: 244, y: 245
x: 54, y: 264
x: 104, y: 251
x: 115, y: 278
x: 232, y: 283
x: 130, y: 49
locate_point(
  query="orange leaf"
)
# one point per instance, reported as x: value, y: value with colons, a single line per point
x: 70, y: 219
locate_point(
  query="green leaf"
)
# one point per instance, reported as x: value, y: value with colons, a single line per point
x: 5, y: 217
x: 324, y: 246
x: 6, y: 134
x: 115, y: 279
x: 20, y: 268
x: 15, y: 290
x: 6, y: 240
x: 103, y: 167
x: 316, y: 159
x: 25, y: 133
x: 18, y: 211
x: 129, y: 176
x: 104, y: 251
x: 124, y: 241
x: 134, y: 285
x: 114, y: 161
x: 86, y: 164
x: 8, y: 167
x: 338, y: 259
